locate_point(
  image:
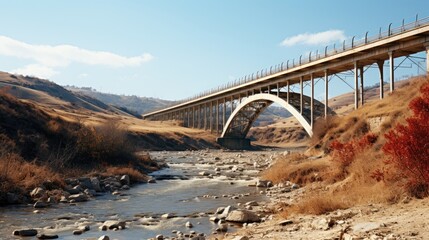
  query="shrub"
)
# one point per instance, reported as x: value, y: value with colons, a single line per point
x: 345, y: 153
x: 407, y: 146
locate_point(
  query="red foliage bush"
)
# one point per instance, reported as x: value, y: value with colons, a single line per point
x: 408, y: 146
x: 345, y: 153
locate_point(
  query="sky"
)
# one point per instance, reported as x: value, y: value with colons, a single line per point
x: 176, y: 49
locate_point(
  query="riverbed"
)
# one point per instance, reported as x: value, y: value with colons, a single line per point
x: 191, y: 189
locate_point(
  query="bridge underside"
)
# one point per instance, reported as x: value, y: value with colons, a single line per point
x: 241, y: 120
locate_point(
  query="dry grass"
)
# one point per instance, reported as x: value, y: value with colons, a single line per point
x: 16, y: 173
x: 135, y: 175
x: 317, y: 205
x: 297, y: 169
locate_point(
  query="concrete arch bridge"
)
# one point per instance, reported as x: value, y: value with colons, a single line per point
x: 230, y: 110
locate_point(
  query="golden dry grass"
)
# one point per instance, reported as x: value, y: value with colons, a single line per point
x: 135, y: 175
x: 295, y: 168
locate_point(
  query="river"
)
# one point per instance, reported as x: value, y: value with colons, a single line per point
x: 181, y: 189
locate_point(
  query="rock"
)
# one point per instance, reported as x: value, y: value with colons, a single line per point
x: 251, y: 203
x: 96, y: 184
x: 222, y: 228
x: 104, y: 237
x: 159, y: 237
x: 217, y: 169
x: 85, y: 183
x: 203, y: 173
x: 51, y: 200
x: 25, y: 232
x: 90, y: 192
x: 77, y: 232
x: 84, y: 228
x: 168, y: 215
x: 112, y: 224
x: 214, y: 219
x: 63, y: 199
x: 38, y: 193
x: 189, y: 225
x: 125, y: 180
x: 116, y: 193
x: 151, y: 181
x: 47, y: 236
x: 125, y: 187
x: 285, y: 222
x: 217, y: 158
x: 40, y: 204
x: 295, y: 186
x: 78, y: 197
x: 323, y: 223
x: 75, y: 190
x: 226, y: 211
x: 219, y: 210
x: 365, y: 226
x: 264, y: 183
x: 243, y: 216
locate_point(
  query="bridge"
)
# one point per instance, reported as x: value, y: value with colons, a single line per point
x: 231, y: 110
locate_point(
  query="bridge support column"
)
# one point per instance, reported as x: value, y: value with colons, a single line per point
x: 392, y: 71
x: 312, y: 101
x: 301, y: 98
x: 380, y: 65
x: 199, y: 116
x: 278, y: 89
x: 211, y: 117
x: 362, y: 100
x: 356, y: 85
x: 287, y: 94
x: 205, y: 116
x: 427, y: 58
x: 224, y: 113
x: 217, y: 116
x: 326, y: 93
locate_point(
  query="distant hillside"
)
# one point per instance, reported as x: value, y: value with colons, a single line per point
x: 136, y: 104
x: 48, y: 94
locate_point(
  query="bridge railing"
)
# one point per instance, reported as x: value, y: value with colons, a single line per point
x: 327, y: 52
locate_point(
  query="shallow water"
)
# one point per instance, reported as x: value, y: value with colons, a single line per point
x: 181, y: 197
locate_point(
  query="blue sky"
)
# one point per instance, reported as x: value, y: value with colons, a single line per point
x: 176, y: 49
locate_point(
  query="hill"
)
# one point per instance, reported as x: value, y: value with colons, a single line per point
x: 136, y: 104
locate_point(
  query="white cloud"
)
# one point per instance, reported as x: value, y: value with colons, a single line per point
x: 83, y: 75
x: 36, y: 70
x: 319, y: 38
x: 63, y: 55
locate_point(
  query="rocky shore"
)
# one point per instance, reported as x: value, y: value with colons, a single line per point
x: 245, y: 218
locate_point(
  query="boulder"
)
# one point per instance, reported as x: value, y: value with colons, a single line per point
x: 168, y: 215
x: 240, y: 238
x: 38, y: 193
x: 78, y: 197
x: 189, y: 225
x: 226, y: 212
x: 125, y: 180
x: 203, y: 173
x: 151, y: 180
x: 104, y: 237
x: 77, y: 232
x: 96, y: 184
x: 159, y: 237
x: 85, y: 183
x: 222, y: 228
x: 47, y: 236
x: 112, y: 224
x: 251, y: 203
x: 25, y: 232
x: 242, y: 216
x: 40, y: 204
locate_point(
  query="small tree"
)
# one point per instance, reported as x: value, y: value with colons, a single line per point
x: 408, y: 146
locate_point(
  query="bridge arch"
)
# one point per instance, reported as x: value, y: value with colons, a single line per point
x: 242, y: 118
